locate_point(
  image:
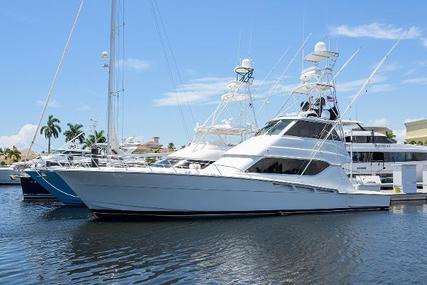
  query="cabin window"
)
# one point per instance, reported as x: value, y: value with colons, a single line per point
x: 388, y: 156
x: 317, y: 130
x: 187, y: 163
x: 266, y: 128
x: 368, y: 139
x: 288, y: 166
x: 274, y: 127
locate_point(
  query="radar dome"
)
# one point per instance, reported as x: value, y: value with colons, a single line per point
x: 246, y: 63
x: 104, y: 54
x: 320, y: 47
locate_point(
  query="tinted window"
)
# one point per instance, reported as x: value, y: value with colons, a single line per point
x: 315, y: 130
x: 186, y: 163
x: 288, y: 166
x: 266, y: 128
x: 274, y: 127
x: 368, y: 139
x: 388, y: 156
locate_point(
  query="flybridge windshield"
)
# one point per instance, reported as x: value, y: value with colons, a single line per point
x: 274, y: 127
x: 309, y: 129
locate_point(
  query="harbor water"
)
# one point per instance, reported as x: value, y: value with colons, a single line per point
x: 51, y: 244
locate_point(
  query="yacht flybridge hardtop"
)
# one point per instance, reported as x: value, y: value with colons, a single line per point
x: 232, y: 122
x: 293, y: 164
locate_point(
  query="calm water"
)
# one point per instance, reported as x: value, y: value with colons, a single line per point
x: 48, y: 244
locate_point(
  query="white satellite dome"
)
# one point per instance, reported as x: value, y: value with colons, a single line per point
x: 320, y: 47
x: 246, y: 62
x: 104, y: 54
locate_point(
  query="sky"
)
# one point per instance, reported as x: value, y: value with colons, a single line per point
x: 207, y: 39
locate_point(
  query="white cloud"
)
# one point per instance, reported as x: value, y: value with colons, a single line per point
x: 380, y: 122
x: 208, y: 90
x: 197, y: 91
x: 135, y: 64
x: 376, y: 31
x: 416, y: 80
x: 85, y: 108
x: 52, y: 103
x: 377, y: 85
x: 410, y: 72
x: 21, y: 140
x: 424, y: 41
x: 400, y: 135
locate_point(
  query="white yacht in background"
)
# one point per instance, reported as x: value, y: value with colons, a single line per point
x: 6, y: 174
x: 374, y: 154
x: 293, y: 164
x: 232, y: 122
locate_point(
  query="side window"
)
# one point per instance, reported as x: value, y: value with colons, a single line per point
x: 378, y: 156
x: 315, y: 130
x: 278, y: 127
x: 266, y: 128
x: 288, y: 166
x: 274, y: 127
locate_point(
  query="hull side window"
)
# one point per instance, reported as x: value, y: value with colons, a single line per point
x: 288, y: 166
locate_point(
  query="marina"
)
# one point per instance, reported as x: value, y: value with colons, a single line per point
x: 289, y: 169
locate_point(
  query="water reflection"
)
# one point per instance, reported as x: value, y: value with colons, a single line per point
x: 43, y: 243
x: 274, y: 249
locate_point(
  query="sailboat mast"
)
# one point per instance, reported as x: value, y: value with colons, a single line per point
x: 111, y: 77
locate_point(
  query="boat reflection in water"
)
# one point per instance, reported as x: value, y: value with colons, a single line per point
x: 248, y: 250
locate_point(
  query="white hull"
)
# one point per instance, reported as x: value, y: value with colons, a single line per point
x: 181, y: 194
x: 5, y: 174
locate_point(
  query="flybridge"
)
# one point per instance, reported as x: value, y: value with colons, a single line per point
x: 317, y: 84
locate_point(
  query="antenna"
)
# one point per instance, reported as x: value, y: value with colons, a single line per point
x: 55, y: 77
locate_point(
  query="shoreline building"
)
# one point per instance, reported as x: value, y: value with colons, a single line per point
x: 416, y: 131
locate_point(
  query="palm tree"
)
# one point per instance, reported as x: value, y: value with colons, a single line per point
x: 14, y: 154
x: 171, y: 146
x: 97, y: 137
x: 6, y: 151
x: 75, y: 133
x: 52, y: 129
x: 390, y: 135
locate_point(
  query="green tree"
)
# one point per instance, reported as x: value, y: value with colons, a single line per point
x: 171, y: 146
x: 51, y: 129
x: 14, y: 154
x: 97, y: 137
x: 6, y: 151
x: 73, y: 131
x: 390, y: 135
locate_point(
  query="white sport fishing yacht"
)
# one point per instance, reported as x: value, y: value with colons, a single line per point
x: 375, y: 154
x: 293, y: 165
x: 232, y: 122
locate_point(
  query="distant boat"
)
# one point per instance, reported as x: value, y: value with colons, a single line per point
x: 375, y: 154
x: 6, y: 174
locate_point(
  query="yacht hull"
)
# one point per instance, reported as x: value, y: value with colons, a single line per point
x: 31, y: 190
x: 155, y: 194
x: 54, y: 184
